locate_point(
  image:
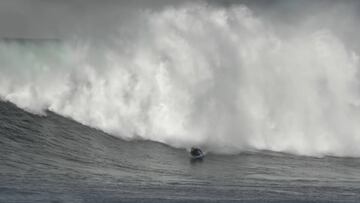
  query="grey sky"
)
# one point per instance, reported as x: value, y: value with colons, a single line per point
x: 64, y: 18
x: 61, y: 18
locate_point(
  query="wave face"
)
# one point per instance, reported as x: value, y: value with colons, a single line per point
x: 197, y: 74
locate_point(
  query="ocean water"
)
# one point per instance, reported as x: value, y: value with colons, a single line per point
x: 55, y: 159
x: 275, y: 105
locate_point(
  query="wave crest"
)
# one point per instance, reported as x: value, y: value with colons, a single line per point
x: 199, y: 75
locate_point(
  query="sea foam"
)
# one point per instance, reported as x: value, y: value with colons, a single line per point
x: 220, y: 78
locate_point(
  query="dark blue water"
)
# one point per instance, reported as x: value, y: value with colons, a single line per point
x: 54, y: 159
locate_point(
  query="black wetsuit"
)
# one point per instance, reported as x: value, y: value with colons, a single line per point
x: 195, y: 152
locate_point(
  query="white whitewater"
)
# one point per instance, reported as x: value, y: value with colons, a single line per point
x: 221, y: 78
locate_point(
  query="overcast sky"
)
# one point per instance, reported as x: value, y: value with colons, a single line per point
x: 64, y: 18
x: 61, y: 18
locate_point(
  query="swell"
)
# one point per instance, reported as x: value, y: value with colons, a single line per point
x: 220, y: 78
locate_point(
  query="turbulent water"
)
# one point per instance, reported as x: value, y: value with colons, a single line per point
x: 54, y: 159
x: 216, y: 77
x: 274, y: 107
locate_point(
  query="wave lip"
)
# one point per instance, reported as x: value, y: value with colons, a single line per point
x: 220, y: 78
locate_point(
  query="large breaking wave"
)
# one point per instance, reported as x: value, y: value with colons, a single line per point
x: 198, y: 75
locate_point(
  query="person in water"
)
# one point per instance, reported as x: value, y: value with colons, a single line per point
x: 195, y: 151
